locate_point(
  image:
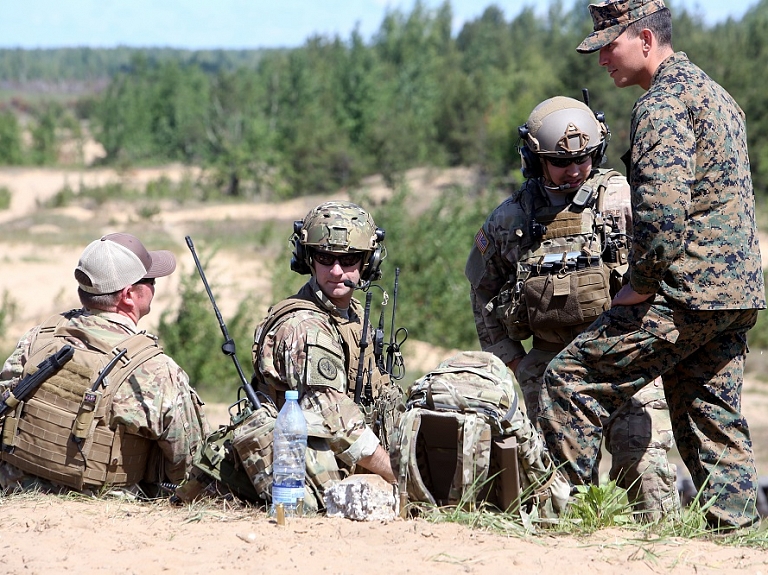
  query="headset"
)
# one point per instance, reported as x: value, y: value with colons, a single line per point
x: 301, y: 260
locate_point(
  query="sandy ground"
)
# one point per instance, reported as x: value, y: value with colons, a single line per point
x: 51, y: 534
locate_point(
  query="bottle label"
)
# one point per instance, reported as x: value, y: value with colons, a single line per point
x: 286, y: 495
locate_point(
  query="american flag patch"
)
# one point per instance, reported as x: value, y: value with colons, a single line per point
x: 481, y: 241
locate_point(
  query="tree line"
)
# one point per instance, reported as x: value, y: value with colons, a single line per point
x: 322, y: 116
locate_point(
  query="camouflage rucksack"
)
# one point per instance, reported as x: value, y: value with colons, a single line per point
x: 463, y: 439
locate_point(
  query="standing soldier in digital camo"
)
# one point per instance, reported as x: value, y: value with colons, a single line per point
x: 541, y: 267
x: 121, y: 415
x: 695, y: 276
x: 311, y: 342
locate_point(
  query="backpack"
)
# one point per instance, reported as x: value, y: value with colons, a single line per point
x: 463, y: 440
x: 62, y: 431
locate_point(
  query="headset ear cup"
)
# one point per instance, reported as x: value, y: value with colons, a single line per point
x: 299, y: 259
x: 531, y: 164
x: 372, y: 269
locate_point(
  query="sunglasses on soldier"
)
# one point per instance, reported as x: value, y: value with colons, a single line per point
x: 345, y: 260
x: 565, y: 162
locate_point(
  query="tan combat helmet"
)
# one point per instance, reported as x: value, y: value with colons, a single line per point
x: 339, y: 227
x: 561, y: 127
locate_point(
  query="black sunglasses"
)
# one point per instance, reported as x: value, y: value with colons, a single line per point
x: 565, y: 162
x: 146, y: 281
x: 345, y: 260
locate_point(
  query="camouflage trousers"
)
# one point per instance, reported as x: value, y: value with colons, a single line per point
x: 700, y: 356
x: 638, y: 436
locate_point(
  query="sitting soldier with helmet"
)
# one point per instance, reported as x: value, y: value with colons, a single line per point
x: 311, y: 342
x: 546, y: 263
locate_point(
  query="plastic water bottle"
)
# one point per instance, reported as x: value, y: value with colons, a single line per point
x: 290, y: 447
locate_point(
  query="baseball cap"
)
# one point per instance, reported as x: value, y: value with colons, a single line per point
x: 118, y: 260
x: 612, y: 17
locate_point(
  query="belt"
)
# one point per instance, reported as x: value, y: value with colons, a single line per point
x: 542, y: 345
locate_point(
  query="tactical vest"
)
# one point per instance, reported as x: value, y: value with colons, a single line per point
x: 349, y: 334
x: 62, y: 432
x: 562, y: 282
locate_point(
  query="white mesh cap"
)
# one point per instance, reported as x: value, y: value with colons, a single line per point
x: 116, y: 261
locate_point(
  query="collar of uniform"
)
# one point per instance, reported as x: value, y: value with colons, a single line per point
x: 327, y: 304
x: 114, y: 317
x: 667, y: 63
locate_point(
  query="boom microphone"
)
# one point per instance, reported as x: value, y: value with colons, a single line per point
x: 560, y: 188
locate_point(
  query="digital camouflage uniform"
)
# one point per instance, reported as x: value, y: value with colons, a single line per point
x: 325, y: 381
x: 639, y: 435
x: 695, y: 245
x: 156, y: 403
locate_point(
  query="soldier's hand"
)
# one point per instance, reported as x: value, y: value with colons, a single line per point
x: 628, y: 296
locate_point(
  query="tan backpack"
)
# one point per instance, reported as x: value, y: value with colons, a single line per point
x: 464, y: 440
x: 61, y: 432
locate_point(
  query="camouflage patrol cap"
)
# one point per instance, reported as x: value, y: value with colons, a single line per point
x: 612, y: 17
x: 338, y: 226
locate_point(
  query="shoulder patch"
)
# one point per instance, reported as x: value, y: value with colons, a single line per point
x: 326, y: 368
x: 481, y: 241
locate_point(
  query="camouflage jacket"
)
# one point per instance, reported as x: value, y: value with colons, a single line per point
x: 282, y: 363
x: 156, y: 403
x: 695, y: 237
x: 505, y: 238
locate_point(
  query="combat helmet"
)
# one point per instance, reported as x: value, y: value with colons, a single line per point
x: 339, y: 227
x: 561, y: 127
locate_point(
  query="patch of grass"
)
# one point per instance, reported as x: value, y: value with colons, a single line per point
x: 5, y: 198
x: 46, y: 228
x: 594, y: 508
x: 9, y: 307
x: 599, y: 506
x: 239, y: 234
x: 148, y: 211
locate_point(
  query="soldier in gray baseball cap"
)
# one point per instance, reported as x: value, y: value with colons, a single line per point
x: 695, y: 281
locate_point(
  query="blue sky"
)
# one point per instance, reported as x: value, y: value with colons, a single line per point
x: 198, y: 24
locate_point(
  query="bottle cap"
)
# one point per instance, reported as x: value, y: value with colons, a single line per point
x: 291, y: 394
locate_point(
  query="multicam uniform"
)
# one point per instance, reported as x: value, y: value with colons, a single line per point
x: 315, y: 349
x: 156, y: 403
x: 696, y: 247
x: 508, y: 276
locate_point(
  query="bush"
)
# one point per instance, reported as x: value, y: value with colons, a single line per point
x: 431, y: 249
x: 5, y: 198
x: 192, y: 337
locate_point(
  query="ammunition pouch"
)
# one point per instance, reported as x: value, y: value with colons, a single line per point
x: 567, y: 298
x: 252, y: 441
x: 384, y: 416
x: 219, y: 458
x: 512, y: 311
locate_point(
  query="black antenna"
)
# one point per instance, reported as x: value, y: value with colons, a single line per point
x: 228, y: 347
